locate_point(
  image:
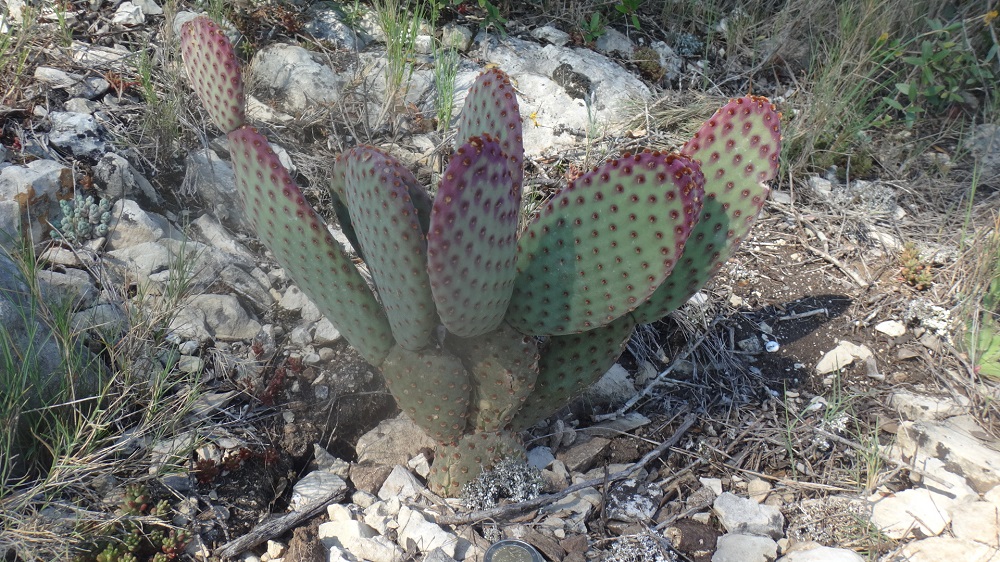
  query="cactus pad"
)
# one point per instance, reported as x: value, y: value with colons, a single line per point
x: 738, y: 149
x: 301, y: 243
x: 471, y: 244
x: 214, y: 72
x: 455, y: 465
x: 432, y: 387
x: 604, y: 244
x: 388, y: 229
x: 569, y: 365
x: 504, y: 366
x: 491, y: 108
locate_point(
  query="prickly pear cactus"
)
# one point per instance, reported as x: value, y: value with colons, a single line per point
x: 530, y: 319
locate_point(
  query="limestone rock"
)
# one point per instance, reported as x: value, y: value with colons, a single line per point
x: 813, y: 552
x: 295, y: 77
x: 745, y: 516
x: 315, y: 485
x: 958, y: 447
x: 938, y: 549
x: 909, y: 511
x: 734, y: 547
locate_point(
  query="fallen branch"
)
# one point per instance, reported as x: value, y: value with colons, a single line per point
x: 277, y: 526
x: 511, y: 510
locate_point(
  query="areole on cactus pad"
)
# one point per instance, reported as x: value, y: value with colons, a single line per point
x: 532, y: 314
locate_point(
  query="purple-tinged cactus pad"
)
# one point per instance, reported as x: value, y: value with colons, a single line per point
x: 388, y: 229
x: 472, y: 241
x: 432, y: 387
x: 455, y: 465
x: 604, y: 244
x: 504, y: 366
x: 491, y: 108
x: 738, y: 149
x: 214, y: 72
x: 301, y: 243
x: 571, y: 364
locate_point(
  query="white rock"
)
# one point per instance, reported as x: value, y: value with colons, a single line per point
x: 915, y: 406
x: 733, y: 547
x: 358, y: 539
x: 76, y: 85
x: 121, y: 180
x: 382, y: 515
x: 148, y: 7
x: 758, y: 489
x: 313, y: 486
x: 670, y: 61
x: 296, y: 77
x: 946, y: 483
x: 400, y: 483
x: 324, y: 332
x: 956, y: 444
x: 329, y: 463
x: 614, y: 42
x: 744, y: 516
x: 422, y: 534
x: 210, y: 231
x: 891, y: 328
x: 212, y: 178
x: 225, y: 318
x: 976, y: 521
x: 560, y: 116
x: 457, y: 36
x: 130, y: 225
x: 813, y: 552
x: 43, y: 182
x: 340, y: 512
x: 713, y: 484
x: 614, y: 387
x: 841, y: 356
x: 326, y: 23
x: 128, y: 14
x: 941, y: 549
x: 392, y: 442
x: 420, y: 465
x: 916, y: 509
x: 540, y: 457
x: 275, y: 549
x: 551, y: 34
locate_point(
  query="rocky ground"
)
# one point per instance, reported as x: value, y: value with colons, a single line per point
x: 809, y: 405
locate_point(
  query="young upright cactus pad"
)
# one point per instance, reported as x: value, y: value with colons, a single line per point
x: 491, y: 108
x: 457, y: 464
x: 214, y: 72
x: 504, y: 366
x: 299, y: 239
x: 387, y: 227
x: 471, y: 245
x: 604, y: 243
x: 432, y: 387
x: 738, y: 149
x: 569, y: 365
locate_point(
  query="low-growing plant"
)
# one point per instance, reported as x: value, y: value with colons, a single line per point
x: 82, y: 219
x: 944, y: 70
x: 593, y: 28
x: 629, y: 9
x: 624, y: 244
x: 914, y: 269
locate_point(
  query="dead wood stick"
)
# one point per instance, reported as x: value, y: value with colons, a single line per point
x: 510, y: 510
x: 277, y: 526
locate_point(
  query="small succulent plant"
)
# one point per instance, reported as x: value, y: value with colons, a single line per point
x: 137, y: 537
x: 532, y: 314
x: 82, y: 219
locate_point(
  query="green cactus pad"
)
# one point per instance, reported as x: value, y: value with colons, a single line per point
x: 491, y: 108
x: 455, y: 465
x: 571, y: 364
x: 432, y: 387
x: 214, y: 72
x: 419, y: 197
x: 301, y: 243
x: 471, y: 244
x: 504, y: 366
x: 604, y: 244
x: 738, y: 149
x: 388, y: 229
